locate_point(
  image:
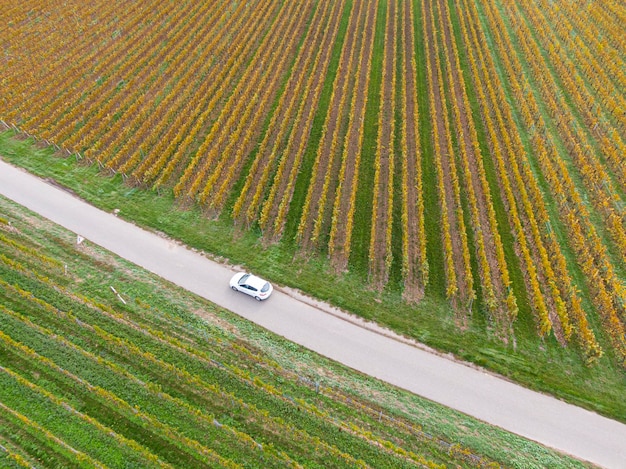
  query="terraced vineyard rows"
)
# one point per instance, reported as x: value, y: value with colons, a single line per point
x: 90, y: 381
x: 470, y: 151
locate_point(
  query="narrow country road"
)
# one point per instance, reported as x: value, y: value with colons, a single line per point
x: 538, y: 417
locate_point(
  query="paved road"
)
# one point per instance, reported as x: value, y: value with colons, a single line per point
x: 549, y: 421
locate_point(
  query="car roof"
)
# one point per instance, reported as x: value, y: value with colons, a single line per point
x: 255, y: 281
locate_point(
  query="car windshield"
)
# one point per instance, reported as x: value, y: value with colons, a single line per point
x: 242, y: 280
x: 265, y: 287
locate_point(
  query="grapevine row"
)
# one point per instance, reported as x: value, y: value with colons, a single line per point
x: 344, y: 204
x: 592, y: 175
x: 283, y: 182
x: 555, y: 172
x: 228, y: 130
x: 607, y: 289
x: 314, y: 210
x: 309, y: 39
x: 380, y: 256
x: 414, y: 262
x: 161, y: 168
x: 459, y: 277
x: 495, y: 278
x: 534, y: 245
x: 146, y: 125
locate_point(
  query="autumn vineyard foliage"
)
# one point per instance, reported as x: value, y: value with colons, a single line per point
x: 473, y: 149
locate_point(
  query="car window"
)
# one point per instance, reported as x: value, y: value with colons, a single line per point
x: 265, y: 287
x: 251, y: 288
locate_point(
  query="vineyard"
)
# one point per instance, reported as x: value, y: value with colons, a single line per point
x: 91, y: 376
x: 470, y: 150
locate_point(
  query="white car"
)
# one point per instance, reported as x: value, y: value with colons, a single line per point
x: 251, y: 285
